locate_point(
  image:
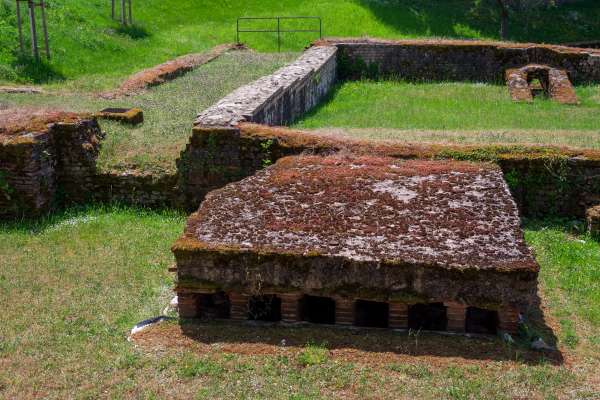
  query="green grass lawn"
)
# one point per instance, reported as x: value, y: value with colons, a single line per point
x: 469, y: 112
x: 73, y: 285
x: 169, y: 109
x: 88, y: 46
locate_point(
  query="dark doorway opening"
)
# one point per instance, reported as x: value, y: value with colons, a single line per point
x: 483, y: 321
x: 264, y: 308
x: 431, y: 317
x: 214, y: 305
x: 318, y: 310
x: 371, y: 314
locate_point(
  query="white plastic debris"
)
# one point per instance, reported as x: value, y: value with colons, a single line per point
x: 140, y: 326
x: 172, y: 306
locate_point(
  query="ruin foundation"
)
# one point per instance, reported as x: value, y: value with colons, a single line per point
x: 360, y: 240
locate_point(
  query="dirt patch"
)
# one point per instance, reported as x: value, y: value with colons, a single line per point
x: 167, y: 71
x: 372, y: 347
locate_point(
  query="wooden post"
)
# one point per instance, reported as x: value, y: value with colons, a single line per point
x: 34, y: 47
x: 19, y: 24
x: 123, y: 15
x: 45, y: 27
x: 130, y: 17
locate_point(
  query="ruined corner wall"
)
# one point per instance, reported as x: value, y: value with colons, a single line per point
x: 543, y: 180
x: 217, y: 154
x: 452, y: 60
x: 39, y: 169
x: 27, y: 178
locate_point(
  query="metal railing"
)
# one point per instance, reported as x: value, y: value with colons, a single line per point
x: 279, y: 31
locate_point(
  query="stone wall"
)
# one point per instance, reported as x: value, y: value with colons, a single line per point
x: 279, y: 98
x: 136, y: 188
x: 544, y: 180
x: 454, y: 60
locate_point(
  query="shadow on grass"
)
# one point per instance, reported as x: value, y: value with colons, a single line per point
x: 461, y: 19
x: 29, y: 69
x: 372, y: 341
x: 73, y: 214
x: 135, y: 32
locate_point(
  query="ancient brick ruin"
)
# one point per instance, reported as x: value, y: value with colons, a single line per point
x: 527, y: 82
x: 44, y: 155
x: 360, y: 240
x: 360, y: 233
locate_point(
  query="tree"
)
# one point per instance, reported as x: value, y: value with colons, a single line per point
x: 503, y: 5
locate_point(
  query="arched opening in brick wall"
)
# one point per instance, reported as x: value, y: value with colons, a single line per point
x: 539, y: 82
x: 264, y: 308
x: 213, y: 305
x: 371, y: 314
x: 479, y: 320
x: 430, y: 317
x: 318, y: 310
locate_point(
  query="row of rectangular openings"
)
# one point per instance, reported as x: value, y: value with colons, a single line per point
x: 321, y: 310
x: 433, y: 317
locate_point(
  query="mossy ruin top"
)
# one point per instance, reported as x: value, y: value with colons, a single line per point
x: 455, y: 43
x: 449, y: 214
x: 15, y: 122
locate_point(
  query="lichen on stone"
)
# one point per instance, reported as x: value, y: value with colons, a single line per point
x: 455, y: 215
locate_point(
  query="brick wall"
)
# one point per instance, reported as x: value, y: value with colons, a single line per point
x: 449, y: 60
x: 27, y: 178
x: 39, y: 169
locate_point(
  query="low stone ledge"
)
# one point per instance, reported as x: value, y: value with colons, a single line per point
x: 279, y: 98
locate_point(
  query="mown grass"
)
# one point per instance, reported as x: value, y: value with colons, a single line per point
x: 169, y: 109
x: 469, y: 109
x: 73, y: 285
x: 88, y: 46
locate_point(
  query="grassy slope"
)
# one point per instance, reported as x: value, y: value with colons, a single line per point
x: 73, y: 285
x: 87, y: 44
x: 169, y: 109
x: 454, y: 106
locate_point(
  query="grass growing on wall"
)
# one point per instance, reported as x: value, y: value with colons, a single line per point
x: 169, y: 109
x: 74, y: 284
x: 455, y: 107
x: 87, y: 44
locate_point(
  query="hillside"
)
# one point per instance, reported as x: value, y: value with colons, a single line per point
x: 85, y: 42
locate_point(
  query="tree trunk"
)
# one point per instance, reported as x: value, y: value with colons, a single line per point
x: 503, y: 19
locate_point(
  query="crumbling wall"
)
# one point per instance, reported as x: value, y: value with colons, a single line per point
x: 454, y: 60
x: 27, y: 178
x: 40, y: 169
x: 543, y: 180
x: 136, y: 188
